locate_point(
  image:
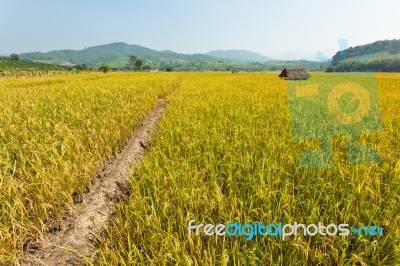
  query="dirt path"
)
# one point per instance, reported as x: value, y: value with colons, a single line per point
x: 80, y: 229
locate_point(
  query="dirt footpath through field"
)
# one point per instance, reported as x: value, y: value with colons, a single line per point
x: 80, y: 229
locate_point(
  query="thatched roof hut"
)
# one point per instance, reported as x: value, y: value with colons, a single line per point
x: 295, y: 73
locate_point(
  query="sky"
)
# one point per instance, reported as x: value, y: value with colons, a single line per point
x: 276, y: 29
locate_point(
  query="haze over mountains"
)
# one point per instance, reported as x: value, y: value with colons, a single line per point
x: 240, y: 55
x: 113, y: 50
x: 380, y: 55
x: 116, y: 55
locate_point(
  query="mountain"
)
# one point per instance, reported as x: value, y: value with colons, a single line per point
x: 115, y: 55
x: 377, y: 56
x: 239, y: 55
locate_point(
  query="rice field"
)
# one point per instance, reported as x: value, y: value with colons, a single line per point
x: 223, y: 153
x: 54, y: 135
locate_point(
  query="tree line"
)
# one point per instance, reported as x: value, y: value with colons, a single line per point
x: 343, y: 61
x: 133, y: 59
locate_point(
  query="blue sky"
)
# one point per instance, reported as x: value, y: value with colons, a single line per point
x: 273, y: 28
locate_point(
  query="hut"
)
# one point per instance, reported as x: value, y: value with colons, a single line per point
x: 294, y: 73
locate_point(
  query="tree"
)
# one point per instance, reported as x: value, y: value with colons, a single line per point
x: 104, y: 68
x: 14, y: 57
x: 146, y: 67
x: 330, y: 69
x: 83, y: 67
x: 132, y: 59
x: 138, y: 64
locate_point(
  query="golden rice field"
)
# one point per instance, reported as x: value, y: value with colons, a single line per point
x: 54, y: 135
x: 223, y: 152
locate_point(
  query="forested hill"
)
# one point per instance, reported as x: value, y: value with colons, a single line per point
x: 377, y: 56
x: 116, y: 56
x: 9, y: 64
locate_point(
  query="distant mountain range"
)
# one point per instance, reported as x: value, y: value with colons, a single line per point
x: 380, y: 56
x: 116, y: 56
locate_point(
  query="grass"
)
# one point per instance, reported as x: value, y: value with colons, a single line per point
x: 224, y: 152
x: 54, y: 135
